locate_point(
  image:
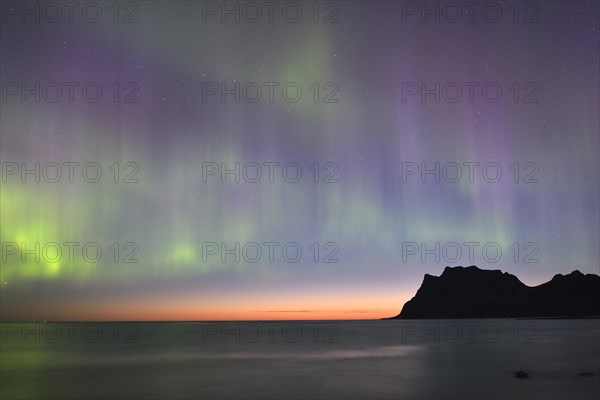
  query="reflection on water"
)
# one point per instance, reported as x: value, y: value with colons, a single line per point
x: 351, y: 359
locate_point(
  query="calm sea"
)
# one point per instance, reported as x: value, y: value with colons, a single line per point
x: 431, y: 359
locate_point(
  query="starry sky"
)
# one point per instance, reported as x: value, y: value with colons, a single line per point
x: 368, y: 115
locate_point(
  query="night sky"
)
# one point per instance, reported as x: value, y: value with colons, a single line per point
x: 368, y: 117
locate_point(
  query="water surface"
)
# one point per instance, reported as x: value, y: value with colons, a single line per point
x: 470, y: 359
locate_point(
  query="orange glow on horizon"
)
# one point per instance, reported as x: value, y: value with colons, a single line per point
x: 191, y: 309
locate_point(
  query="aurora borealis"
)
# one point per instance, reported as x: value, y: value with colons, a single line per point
x: 382, y: 92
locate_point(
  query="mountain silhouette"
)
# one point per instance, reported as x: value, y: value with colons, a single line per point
x: 470, y: 292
